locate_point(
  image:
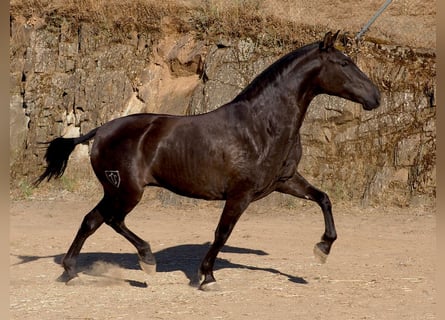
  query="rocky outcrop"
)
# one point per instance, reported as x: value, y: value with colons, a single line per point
x: 70, y: 77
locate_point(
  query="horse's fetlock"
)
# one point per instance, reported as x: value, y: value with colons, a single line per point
x: 329, y: 237
x: 68, y: 262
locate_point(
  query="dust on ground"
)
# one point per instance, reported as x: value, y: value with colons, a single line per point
x: 381, y: 267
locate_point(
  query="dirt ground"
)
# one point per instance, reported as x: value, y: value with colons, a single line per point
x: 381, y: 267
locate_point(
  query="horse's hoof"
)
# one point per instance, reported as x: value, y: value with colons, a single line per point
x: 210, y: 286
x: 66, y: 277
x: 319, y: 254
x: 77, y: 281
x: 195, y: 281
x: 148, y: 268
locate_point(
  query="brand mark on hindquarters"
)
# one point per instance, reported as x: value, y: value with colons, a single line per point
x: 114, y: 177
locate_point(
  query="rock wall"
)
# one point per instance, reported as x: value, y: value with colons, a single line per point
x: 68, y: 77
x: 386, y: 155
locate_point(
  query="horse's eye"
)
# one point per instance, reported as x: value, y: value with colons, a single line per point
x: 344, y: 63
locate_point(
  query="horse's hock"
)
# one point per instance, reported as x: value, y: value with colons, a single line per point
x: 69, y: 79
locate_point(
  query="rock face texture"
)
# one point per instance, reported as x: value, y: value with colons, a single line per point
x: 69, y: 77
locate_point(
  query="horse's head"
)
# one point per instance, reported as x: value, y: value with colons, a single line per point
x: 340, y: 76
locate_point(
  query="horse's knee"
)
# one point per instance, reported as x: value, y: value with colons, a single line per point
x: 323, y: 200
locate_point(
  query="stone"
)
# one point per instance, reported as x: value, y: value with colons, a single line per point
x: 69, y: 79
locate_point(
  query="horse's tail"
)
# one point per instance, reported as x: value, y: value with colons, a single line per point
x: 57, y: 155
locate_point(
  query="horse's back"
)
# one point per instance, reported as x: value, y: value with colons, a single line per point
x: 162, y: 150
x: 210, y: 156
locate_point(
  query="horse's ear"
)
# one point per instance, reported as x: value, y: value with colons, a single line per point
x: 334, y: 38
x: 324, y: 45
x: 329, y: 40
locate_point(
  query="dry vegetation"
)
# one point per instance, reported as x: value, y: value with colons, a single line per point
x: 271, y: 22
x: 274, y: 24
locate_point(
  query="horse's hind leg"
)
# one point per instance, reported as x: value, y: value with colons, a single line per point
x: 91, y: 222
x: 112, y: 212
x: 147, y: 260
x: 114, y: 209
x: 299, y: 187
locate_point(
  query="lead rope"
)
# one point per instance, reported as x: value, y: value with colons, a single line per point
x: 376, y: 15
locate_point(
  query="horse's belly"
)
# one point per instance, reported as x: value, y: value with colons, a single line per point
x: 193, y: 187
x: 195, y: 179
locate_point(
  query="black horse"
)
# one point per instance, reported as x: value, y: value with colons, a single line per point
x: 240, y: 152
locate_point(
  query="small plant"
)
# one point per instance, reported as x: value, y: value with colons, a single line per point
x: 67, y: 184
x: 25, y: 189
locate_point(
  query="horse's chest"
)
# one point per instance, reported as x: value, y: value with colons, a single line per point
x: 287, y: 170
x: 284, y: 165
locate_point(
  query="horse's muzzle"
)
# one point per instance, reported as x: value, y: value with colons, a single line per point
x: 373, y: 101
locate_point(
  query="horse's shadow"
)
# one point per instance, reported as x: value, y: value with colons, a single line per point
x: 185, y: 258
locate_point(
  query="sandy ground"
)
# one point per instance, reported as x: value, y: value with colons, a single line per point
x: 381, y: 267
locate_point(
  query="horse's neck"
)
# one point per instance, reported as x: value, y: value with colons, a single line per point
x: 286, y: 100
x: 282, y: 93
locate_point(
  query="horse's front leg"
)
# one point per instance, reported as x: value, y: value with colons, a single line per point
x: 230, y: 215
x: 299, y: 187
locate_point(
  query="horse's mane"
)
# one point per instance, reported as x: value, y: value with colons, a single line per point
x: 272, y: 72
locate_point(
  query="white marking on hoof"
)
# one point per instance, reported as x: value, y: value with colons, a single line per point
x: 211, y: 286
x: 147, y: 268
x: 320, y: 255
